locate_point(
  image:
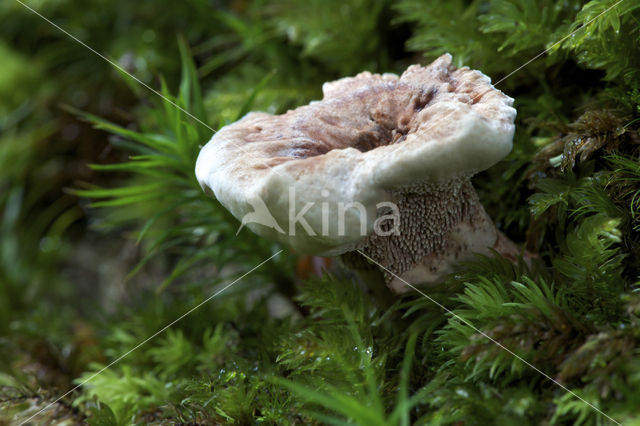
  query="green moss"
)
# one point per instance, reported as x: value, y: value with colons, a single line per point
x: 569, y: 192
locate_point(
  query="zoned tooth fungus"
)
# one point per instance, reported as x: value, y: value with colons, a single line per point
x: 381, y: 164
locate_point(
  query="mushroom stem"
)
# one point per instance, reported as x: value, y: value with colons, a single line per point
x: 439, y: 226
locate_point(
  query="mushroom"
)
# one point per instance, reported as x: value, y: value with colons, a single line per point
x: 381, y: 165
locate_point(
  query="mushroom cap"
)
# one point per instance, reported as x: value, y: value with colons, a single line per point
x: 369, y: 135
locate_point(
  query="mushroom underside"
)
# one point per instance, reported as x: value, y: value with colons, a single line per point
x: 439, y: 225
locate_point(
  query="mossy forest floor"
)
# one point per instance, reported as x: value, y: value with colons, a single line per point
x: 106, y: 237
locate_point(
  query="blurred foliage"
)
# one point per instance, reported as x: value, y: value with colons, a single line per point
x: 162, y: 188
x: 95, y: 260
